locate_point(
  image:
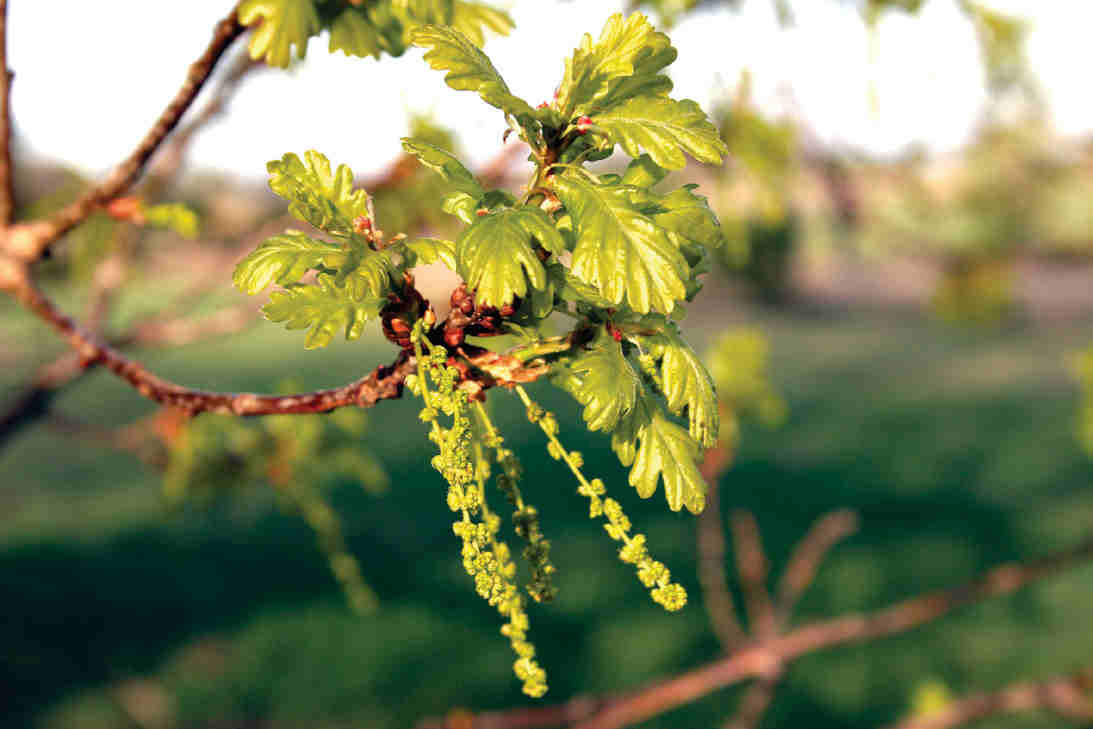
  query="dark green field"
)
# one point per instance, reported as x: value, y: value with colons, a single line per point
x: 956, y: 447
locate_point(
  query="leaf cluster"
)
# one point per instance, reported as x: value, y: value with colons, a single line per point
x: 283, y: 28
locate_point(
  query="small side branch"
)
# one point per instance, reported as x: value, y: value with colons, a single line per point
x: 1066, y: 697
x: 383, y: 383
x: 27, y: 242
x: 759, y: 659
x: 7, y: 195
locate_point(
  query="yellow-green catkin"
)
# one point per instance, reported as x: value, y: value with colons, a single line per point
x: 525, y: 517
x: 653, y: 574
x: 485, y: 558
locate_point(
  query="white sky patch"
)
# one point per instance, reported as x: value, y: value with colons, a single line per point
x: 87, y: 88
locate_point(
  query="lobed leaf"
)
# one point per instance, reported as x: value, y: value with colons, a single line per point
x: 445, y: 164
x: 317, y: 196
x: 620, y: 250
x: 323, y: 308
x: 602, y: 380
x: 666, y: 452
x: 495, y: 256
x: 663, y: 127
x: 353, y: 34
x: 469, y: 69
x: 282, y: 26
x: 281, y: 259
x: 421, y: 251
x: 687, y: 384
x: 473, y: 19
x: 625, y: 61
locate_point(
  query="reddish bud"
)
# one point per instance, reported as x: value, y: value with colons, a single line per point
x: 482, y: 212
x: 362, y: 224
x: 583, y: 124
x: 127, y: 208
x: 453, y: 337
x: 543, y: 105
x: 507, y: 310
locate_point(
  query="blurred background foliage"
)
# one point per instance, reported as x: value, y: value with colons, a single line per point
x: 886, y: 335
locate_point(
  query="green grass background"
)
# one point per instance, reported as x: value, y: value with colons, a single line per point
x: 956, y: 447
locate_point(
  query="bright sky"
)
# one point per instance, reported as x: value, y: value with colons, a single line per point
x: 88, y: 87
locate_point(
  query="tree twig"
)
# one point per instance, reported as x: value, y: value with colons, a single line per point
x: 759, y: 658
x: 7, y: 195
x: 753, y: 567
x: 711, y: 555
x: 800, y: 571
x: 27, y: 242
x: 1065, y: 696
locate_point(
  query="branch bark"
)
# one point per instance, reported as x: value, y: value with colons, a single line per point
x: 1065, y: 696
x: 28, y: 242
x: 761, y: 658
x: 7, y: 196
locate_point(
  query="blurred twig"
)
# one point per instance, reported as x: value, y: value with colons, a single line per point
x: 7, y: 197
x: 761, y: 659
x: 1065, y: 696
x: 28, y: 242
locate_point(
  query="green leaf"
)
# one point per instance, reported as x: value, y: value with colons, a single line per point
x: 445, y: 164
x: 281, y: 259
x: 687, y: 217
x: 687, y: 384
x: 666, y: 452
x: 172, y: 216
x: 626, y: 60
x: 282, y: 24
x: 643, y: 172
x: 469, y: 69
x: 495, y: 255
x: 438, y: 12
x: 364, y: 273
x: 327, y: 201
x: 421, y: 251
x: 620, y: 250
x: 461, y: 205
x: 663, y: 127
x: 352, y: 34
x: 602, y: 380
x: 472, y: 19
x: 324, y: 309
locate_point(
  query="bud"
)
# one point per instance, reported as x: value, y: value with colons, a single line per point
x: 583, y: 125
x: 430, y: 318
x: 362, y: 224
x: 453, y: 337
x: 482, y: 212
x: 542, y: 105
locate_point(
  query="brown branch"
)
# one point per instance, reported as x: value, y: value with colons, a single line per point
x: 533, y: 717
x: 27, y: 242
x: 799, y: 573
x: 753, y: 568
x: 382, y: 383
x: 756, y: 700
x: 711, y: 555
x: 1065, y: 696
x: 761, y: 658
x: 7, y: 196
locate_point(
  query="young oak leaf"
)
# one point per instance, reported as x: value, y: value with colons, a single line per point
x: 422, y: 251
x: 687, y: 217
x: 472, y: 19
x: 663, y: 127
x: 445, y: 164
x: 667, y: 452
x: 324, y: 309
x: 602, y: 380
x: 469, y: 69
x: 495, y: 257
x: 626, y: 59
x: 687, y: 384
x: 317, y: 196
x: 281, y: 259
x: 643, y: 172
x: 282, y: 25
x: 655, y: 448
x: 620, y: 250
x: 353, y: 34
